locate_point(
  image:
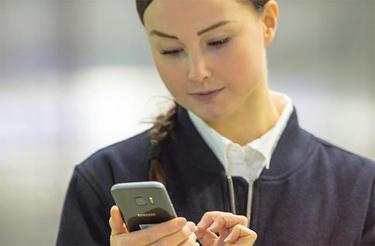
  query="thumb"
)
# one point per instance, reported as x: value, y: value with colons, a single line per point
x: 241, y: 235
x: 116, y: 222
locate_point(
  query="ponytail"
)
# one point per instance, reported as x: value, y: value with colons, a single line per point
x: 163, y: 126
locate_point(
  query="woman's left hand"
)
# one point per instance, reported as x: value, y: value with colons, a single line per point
x: 231, y: 229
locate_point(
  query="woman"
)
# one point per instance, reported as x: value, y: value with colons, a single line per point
x: 229, y: 145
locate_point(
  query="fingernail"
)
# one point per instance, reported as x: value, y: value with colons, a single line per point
x: 181, y: 221
x: 202, y: 224
x: 191, y: 226
x: 229, y: 238
x: 214, y: 225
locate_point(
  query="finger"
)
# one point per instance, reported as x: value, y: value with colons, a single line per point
x: 207, y: 219
x: 216, y: 221
x: 206, y: 237
x: 227, y: 221
x: 192, y: 240
x: 241, y: 235
x: 180, y: 236
x: 199, y: 232
x: 223, y: 234
x: 157, y: 232
x: 116, y: 223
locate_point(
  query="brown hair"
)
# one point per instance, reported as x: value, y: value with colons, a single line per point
x: 143, y: 4
x: 164, y: 123
x: 163, y: 126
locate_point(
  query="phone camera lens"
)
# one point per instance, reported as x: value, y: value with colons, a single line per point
x: 151, y: 200
x: 140, y: 201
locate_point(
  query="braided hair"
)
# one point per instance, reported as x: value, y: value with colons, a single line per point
x: 163, y: 126
x: 164, y: 123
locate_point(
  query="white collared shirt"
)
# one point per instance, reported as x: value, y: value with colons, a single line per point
x: 249, y: 160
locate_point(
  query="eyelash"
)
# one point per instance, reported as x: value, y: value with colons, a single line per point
x: 171, y: 52
x: 214, y: 44
x: 219, y: 43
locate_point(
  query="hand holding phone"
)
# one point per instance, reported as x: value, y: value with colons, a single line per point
x: 134, y: 199
x: 143, y: 204
x: 173, y: 232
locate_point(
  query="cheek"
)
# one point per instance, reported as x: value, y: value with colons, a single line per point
x: 172, y: 76
x: 242, y: 66
x: 246, y: 58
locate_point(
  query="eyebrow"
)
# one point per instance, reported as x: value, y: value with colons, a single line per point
x: 214, y: 26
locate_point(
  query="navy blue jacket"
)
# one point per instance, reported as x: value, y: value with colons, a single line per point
x: 313, y: 194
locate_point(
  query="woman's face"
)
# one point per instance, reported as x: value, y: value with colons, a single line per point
x: 210, y: 54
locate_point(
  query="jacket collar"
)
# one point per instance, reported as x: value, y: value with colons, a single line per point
x: 290, y: 152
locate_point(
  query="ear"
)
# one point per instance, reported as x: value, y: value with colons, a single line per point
x: 270, y: 19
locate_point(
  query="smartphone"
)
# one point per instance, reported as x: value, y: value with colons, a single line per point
x: 143, y: 204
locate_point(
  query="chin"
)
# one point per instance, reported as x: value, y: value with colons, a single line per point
x: 210, y: 114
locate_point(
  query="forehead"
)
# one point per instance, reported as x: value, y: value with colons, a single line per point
x: 177, y: 15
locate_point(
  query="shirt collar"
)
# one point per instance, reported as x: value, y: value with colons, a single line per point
x: 265, y: 145
x: 214, y: 140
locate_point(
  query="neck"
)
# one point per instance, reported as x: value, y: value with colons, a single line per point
x: 254, y: 118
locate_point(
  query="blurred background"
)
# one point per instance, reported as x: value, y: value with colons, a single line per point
x: 76, y: 75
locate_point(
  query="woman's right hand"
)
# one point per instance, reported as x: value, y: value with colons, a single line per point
x: 173, y: 232
x: 218, y: 228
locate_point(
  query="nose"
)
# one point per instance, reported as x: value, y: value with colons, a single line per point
x: 198, y: 69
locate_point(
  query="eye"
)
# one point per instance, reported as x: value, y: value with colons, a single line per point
x: 171, y: 52
x: 219, y: 43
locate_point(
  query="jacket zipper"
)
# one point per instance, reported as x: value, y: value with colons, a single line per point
x: 232, y: 201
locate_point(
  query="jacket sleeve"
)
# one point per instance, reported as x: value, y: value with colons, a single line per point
x: 368, y: 237
x: 84, y: 219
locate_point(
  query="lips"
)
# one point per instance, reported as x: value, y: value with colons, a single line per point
x: 206, y: 96
x: 206, y: 93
